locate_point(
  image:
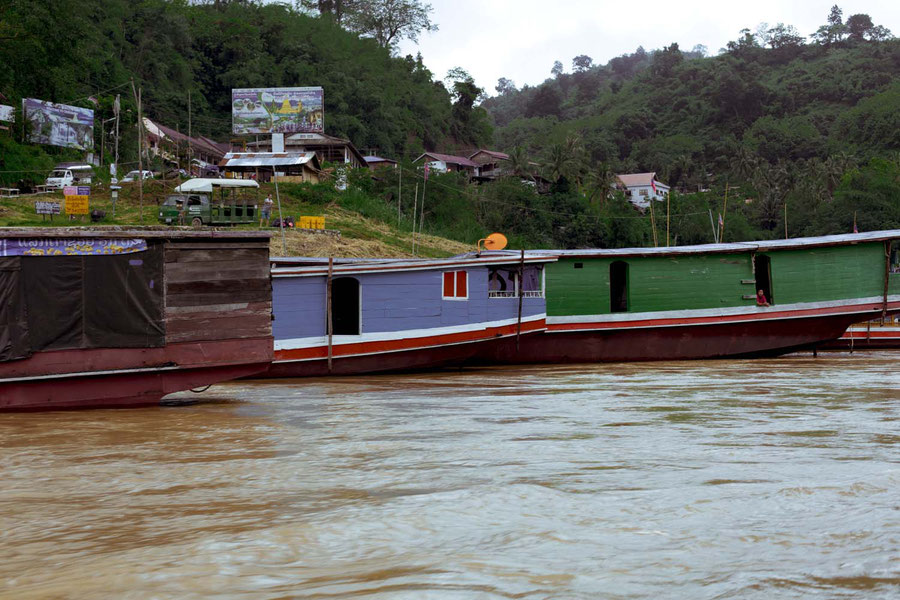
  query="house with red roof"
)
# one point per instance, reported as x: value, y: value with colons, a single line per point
x: 641, y: 188
x: 443, y: 163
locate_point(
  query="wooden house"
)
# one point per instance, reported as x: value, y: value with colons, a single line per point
x: 328, y: 149
x: 491, y: 164
x: 448, y: 163
x: 291, y: 167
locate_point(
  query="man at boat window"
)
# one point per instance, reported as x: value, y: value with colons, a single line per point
x: 761, y: 298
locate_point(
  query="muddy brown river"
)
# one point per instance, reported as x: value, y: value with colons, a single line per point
x: 753, y: 479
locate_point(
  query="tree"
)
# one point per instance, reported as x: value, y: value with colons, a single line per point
x: 665, y: 61
x: 505, y: 86
x: 582, y: 63
x: 860, y: 28
x: 389, y: 21
x: 834, y: 30
x: 784, y: 36
x: 557, y: 69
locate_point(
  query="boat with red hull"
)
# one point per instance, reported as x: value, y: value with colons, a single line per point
x: 355, y: 317
x: 700, y: 302
x: 110, y: 317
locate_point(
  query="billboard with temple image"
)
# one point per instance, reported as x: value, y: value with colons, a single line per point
x: 277, y: 110
x: 59, y: 124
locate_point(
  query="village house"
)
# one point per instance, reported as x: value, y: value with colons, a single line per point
x: 327, y: 148
x: 641, y: 188
x: 490, y: 163
x: 443, y: 163
x: 168, y: 144
x: 291, y: 167
x: 376, y: 162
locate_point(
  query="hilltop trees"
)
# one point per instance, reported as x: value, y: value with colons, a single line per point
x: 386, y: 21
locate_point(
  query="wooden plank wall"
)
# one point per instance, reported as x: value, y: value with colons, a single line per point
x: 217, y: 291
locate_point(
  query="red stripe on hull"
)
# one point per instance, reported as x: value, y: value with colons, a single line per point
x: 755, y: 338
x: 75, y: 382
x: 394, y: 355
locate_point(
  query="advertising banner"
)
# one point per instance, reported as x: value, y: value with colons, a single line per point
x: 7, y: 113
x: 59, y: 124
x: 70, y: 247
x: 278, y: 110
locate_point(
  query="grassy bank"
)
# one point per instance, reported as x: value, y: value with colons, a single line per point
x: 367, y: 226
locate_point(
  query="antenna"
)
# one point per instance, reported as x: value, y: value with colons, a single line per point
x: 495, y: 241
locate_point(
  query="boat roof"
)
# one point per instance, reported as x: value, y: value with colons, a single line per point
x: 203, y: 184
x: 844, y: 239
x: 316, y: 267
x: 172, y: 233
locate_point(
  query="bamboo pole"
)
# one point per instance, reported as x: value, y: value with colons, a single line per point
x: 887, y: 274
x: 653, y: 226
x: 140, y: 123
x: 329, y: 325
x: 280, y: 215
x: 415, y: 208
x: 668, y: 196
x: 785, y: 219
x: 399, y: 192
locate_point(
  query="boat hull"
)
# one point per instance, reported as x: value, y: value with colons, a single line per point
x: 755, y: 338
x: 123, y: 377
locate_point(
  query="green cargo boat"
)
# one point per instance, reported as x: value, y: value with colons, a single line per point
x: 696, y: 302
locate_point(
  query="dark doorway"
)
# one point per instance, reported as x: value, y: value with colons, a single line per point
x: 618, y: 286
x: 345, y: 306
x: 764, y: 276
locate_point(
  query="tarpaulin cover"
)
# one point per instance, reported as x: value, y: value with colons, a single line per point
x: 113, y: 301
x: 13, y: 326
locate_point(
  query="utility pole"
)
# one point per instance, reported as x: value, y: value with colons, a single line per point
x: 137, y: 99
x: 118, y: 108
x: 190, y: 147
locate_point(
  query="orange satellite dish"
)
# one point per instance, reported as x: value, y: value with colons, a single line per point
x: 495, y: 241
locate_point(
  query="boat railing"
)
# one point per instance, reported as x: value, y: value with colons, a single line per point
x: 513, y: 294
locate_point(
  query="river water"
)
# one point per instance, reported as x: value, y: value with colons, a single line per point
x: 753, y: 479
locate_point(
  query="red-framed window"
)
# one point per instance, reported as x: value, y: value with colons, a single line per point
x: 456, y: 285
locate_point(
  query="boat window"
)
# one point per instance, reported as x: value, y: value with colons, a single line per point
x: 763, y: 272
x: 618, y: 286
x: 532, y: 281
x: 501, y: 283
x: 345, y: 306
x: 895, y: 258
x: 456, y: 285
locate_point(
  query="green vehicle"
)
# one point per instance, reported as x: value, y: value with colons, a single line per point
x: 202, y: 201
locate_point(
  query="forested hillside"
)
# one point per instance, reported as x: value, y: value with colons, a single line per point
x: 802, y: 136
x: 777, y: 118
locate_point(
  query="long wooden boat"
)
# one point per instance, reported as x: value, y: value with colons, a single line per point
x: 877, y: 334
x: 110, y: 317
x: 697, y: 302
x: 398, y: 315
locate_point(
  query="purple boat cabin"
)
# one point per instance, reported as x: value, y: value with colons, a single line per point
x: 396, y: 315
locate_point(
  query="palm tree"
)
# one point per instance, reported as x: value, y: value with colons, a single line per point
x: 602, y: 179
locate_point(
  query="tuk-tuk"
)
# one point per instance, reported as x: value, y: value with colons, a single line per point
x: 204, y: 201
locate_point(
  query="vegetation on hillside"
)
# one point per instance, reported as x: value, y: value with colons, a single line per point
x: 801, y: 138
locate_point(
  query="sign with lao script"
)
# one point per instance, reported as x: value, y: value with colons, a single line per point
x: 70, y: 246
x: 277, y: 110
x: 77, y: 199
x: 42, y: 207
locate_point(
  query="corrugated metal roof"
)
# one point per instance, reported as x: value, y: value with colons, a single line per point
x: 450, y: 159
x: 492, y: 153
x: 765, y: 245
x: 266, y: 159
x: 382, y: 266
x: 635, y: 179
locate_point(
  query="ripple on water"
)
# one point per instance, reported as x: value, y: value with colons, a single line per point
x: 725, y: 479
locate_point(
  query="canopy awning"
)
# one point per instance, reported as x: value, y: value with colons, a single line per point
x: 203, y: 184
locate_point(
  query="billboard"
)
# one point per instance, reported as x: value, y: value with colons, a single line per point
x: 278, y: 110
x: 59, y: 124
x: 7, y: 113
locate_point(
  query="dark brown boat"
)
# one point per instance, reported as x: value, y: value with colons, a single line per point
x: 115, y: 317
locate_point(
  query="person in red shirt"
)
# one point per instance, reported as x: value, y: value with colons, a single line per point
x: 761, y: 298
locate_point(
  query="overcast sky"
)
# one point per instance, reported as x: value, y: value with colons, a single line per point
x: 520, y: 39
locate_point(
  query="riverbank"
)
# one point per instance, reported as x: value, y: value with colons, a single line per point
x: 360, y: 235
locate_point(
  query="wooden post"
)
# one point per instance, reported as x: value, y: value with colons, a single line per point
x: 887, y: 275
x: 521, y: 294
x: 329, y: 326
x: 669, y: 195
x: 724, y: 212
x: 280, y: 216
x: 140, y: 123
x: 415, y: 208
x: 785, y: 219
x: 399, y: 192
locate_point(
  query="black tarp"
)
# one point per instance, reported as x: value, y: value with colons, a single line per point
x: 65, y: 302
x: 13, y: 324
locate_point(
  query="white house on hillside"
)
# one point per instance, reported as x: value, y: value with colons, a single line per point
x: 641, y: 188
